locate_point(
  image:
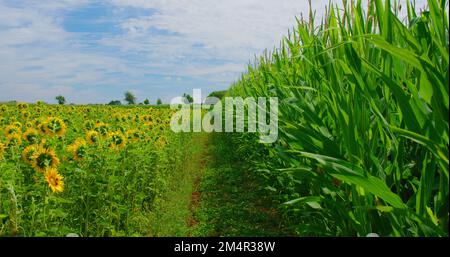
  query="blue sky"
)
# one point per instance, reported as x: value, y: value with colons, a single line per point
x: 93, y: 51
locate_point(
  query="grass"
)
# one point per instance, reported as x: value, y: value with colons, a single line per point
x: 172, y: 215
x: 233, y: 202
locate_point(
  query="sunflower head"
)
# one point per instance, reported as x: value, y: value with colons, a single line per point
x: 28, y: 125
x: 3, y: 108
x: 12, y: 129
x: 31, y: 136
x: 55, y: 126
x: 116, y: 140
x: 133, y: 135
x: 28, y: 152
x: 44, y: 158
x: 26, y: 115
x: 14, y: 139
x: 78, y: 149
x: 92, y: 137
x: 101, y: 128
x: 22, y: 106
x: 54, y: 180
x: 2, y: 150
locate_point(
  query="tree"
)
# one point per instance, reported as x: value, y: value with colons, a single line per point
x: 130, y: 98
x: 188, y: 98
x: 115, y: 102
x: 61, y: 99
x: 146, y: 102
x: 218, y: 94
x: 159, y: 102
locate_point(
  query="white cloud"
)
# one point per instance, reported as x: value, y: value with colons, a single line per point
x: 204, y: 41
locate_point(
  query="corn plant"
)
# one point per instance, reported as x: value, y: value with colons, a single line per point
x: 364, y: 131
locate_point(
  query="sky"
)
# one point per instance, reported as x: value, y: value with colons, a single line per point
x: 94, y: 51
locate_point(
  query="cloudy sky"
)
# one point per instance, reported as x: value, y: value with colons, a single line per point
x: 93, y: 51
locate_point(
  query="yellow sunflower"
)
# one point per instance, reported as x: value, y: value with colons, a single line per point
x: 92, y: 137
x: 133, y: 135
x: 12, y: 129
x: 25, y: 115
x: 44, y: 158
x: 17, y: 124
x: 54, y: 180
x: 55, y: 126
x: 28, y: 125
x: 78, y: 149
x: 101, y: 128
x: 22, y: 105
x: 2, y: 150
x: 14, y: 139
x: 28, y: 152
x: 117, y: 140
x: 42, y: 128
x: 31, y: 136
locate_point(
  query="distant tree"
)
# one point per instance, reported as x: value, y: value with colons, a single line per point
x: 146, y: 102
x: 130, y: 98
x: 61, y: 99
x: 188, y: 98
x: 218, y: 94
x: 115, y: 102
x: 159, y: 102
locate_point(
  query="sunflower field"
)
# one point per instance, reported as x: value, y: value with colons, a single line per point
x: 88, y: 170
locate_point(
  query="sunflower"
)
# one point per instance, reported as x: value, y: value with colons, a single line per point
x: 42, y: 128
x: 92, y: 137
x: 28, y: 125
x: 31, y: 136
x: 133, y: 135
x: 2, y: 150
x: 44, y: 158
x: 22, y: 105
x: 11, y: 130
x: 55, y: 126
x: 117, y: 140
x: 25, y: 115
x: 78, y: 149
x: 14, y: 139
x: 54, y: 180
x: 101, y: 128
x: 28, y: 152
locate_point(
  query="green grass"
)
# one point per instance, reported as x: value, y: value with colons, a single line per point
x: 233, y: 202
x: 172, y: 213
x: 364, y: 134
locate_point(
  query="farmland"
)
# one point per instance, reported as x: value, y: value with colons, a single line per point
x: 362, y: 145
x: 93, y: 171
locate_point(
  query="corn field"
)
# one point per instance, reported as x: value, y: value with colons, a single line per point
x: 364, y: 133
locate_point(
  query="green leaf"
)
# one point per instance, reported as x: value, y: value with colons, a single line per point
x: 353, y: 174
